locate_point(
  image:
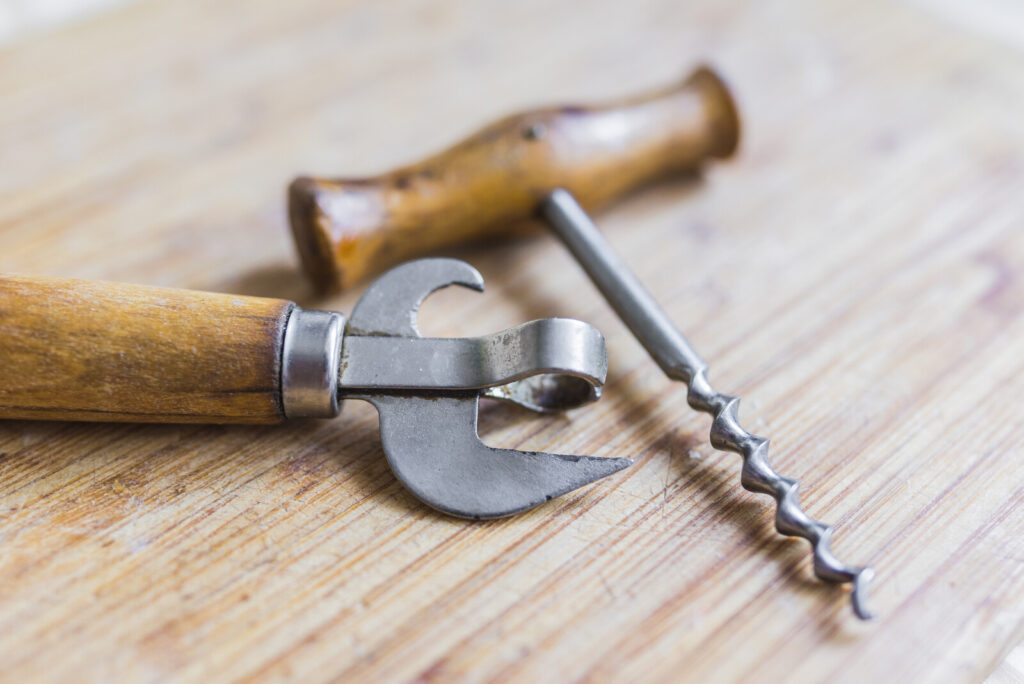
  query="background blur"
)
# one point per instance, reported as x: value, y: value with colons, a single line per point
x: 1001, y: 19
x: 18, y: 17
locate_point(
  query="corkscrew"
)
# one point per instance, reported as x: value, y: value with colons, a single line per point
x: 677, y: 358
x: 489, y: 183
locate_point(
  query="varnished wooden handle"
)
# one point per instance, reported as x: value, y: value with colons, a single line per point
x: 84, y: 350
x: 346, y: 229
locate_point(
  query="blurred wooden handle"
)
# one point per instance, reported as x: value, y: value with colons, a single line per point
x: 84, y: 350
x: 346, y: 229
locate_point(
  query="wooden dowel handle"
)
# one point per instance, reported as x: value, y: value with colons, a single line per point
x: 84, y: 350
x: 346, y: 229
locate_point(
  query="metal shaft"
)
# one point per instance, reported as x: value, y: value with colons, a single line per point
x: 667, y: 346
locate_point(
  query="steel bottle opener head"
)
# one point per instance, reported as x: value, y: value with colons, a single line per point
x: 426, y: 390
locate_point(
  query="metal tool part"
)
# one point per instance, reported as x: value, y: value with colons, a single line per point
x: 384, y: 349
x: 309, y: 363
x: 428, y: 420
x: 670, y: 349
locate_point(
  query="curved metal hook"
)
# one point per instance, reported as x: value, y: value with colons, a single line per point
x: 390, y: 303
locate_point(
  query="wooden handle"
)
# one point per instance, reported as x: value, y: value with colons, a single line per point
x: 491, y: 182
x: 83, y: 350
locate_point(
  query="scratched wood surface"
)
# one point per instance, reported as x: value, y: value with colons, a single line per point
x: 857, y: 274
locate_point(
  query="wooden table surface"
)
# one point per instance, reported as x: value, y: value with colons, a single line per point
x: 856, y: 273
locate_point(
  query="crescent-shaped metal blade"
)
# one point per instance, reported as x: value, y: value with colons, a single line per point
x: 433, y: 448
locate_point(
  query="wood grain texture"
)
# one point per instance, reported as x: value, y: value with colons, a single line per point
x: 87, y: 350
x: 856, y: 273
x: 492, y: 182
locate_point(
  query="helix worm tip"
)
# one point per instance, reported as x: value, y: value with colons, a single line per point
x: 858, y: 598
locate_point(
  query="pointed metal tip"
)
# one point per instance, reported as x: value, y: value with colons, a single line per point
x: 541, y: 477
x: 589, y: 469
x: 510, y: 482
x: 859, y: 596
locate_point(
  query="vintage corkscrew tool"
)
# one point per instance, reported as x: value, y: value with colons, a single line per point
x: 83, y: 350
x: 526, y: 166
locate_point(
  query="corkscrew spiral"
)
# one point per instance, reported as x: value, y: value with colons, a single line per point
x: 681, y: 362
x: 758, y: 476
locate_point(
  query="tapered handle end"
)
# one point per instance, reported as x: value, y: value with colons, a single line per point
x: 312, y: 234
x: 722, y: 116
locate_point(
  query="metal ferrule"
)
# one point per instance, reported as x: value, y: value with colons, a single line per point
x: 310, y: 358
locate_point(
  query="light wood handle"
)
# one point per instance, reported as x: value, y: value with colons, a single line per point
x: 84, y: 350
x: 346, y: 229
